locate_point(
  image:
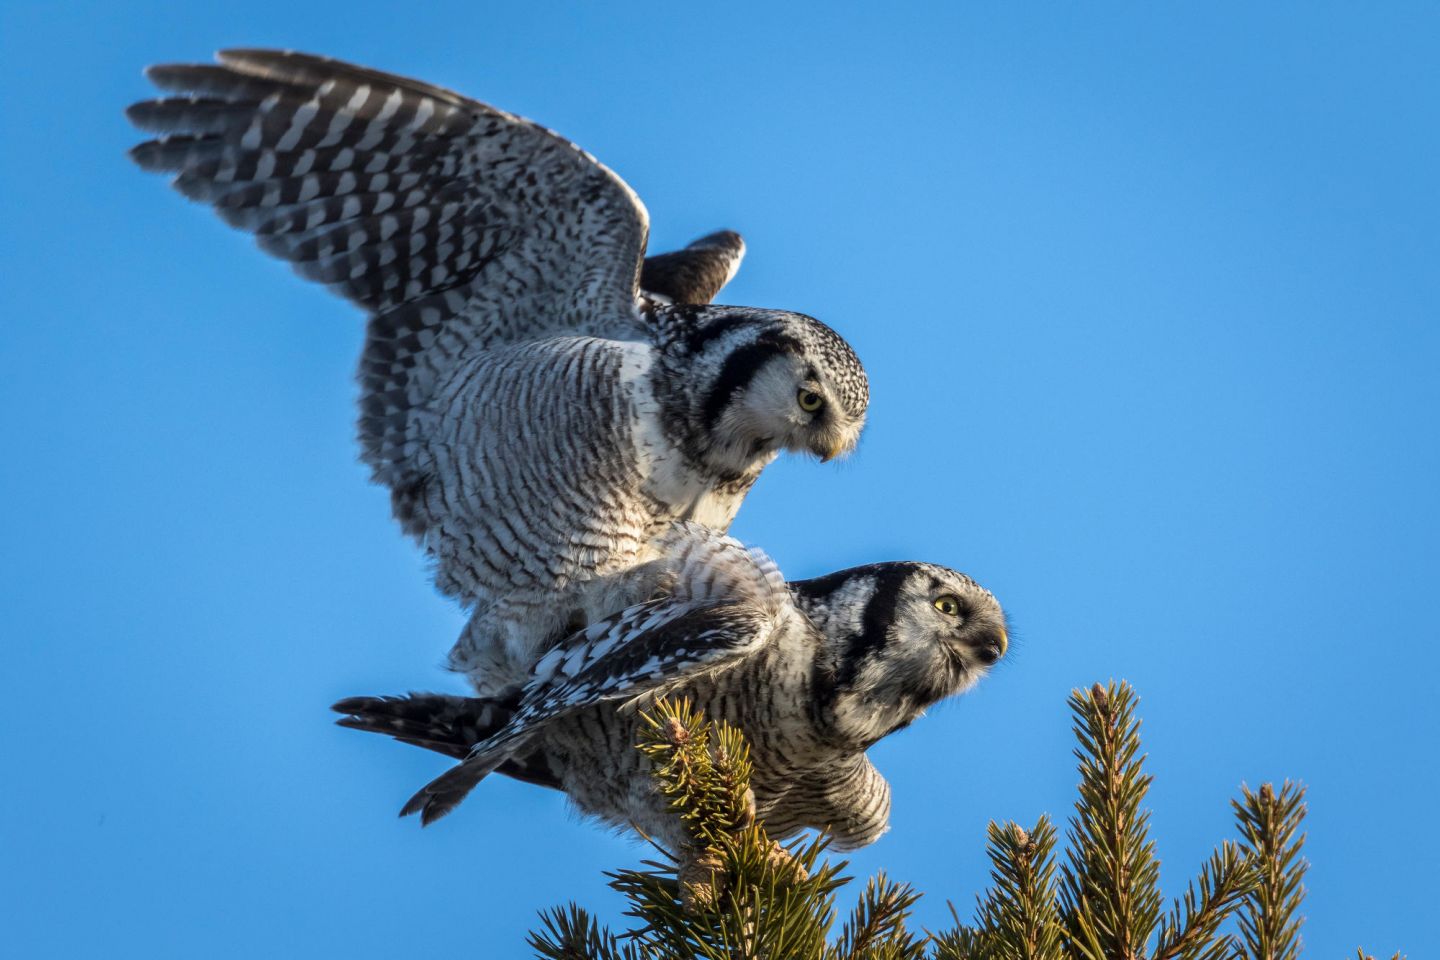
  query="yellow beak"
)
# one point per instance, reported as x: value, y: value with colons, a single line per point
x: 1004, y: 641
x: 834, y: 451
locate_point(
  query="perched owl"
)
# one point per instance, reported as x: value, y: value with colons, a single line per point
x: 813, y: 673
x: 540, y: 421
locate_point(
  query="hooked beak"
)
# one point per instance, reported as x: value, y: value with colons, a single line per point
x: 831, y: 452
x: 992, y: 650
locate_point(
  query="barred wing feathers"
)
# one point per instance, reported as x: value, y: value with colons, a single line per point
x: 392, y: 190
x: 457, y: 225
x: 639, y: 653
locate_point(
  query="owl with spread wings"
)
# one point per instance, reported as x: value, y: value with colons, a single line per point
x: 542, y: 402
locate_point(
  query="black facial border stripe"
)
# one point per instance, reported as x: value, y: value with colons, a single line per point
x: 876, y: 622
x: 739, y: 369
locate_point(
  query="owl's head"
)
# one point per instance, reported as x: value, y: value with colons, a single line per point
x: 898, y: 637
x: 769, y: 380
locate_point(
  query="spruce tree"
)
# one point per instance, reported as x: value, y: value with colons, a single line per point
x: 746, y: 896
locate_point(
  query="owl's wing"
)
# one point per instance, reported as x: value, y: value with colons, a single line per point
x: 636, y: 654
x: 698, y: 272
x: 395, y: 192
x: 455, y: 224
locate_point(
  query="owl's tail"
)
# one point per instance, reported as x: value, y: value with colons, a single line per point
x: 446, y: 724
x: 444, y: 793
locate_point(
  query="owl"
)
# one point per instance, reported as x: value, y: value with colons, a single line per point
x: 541, y: 401
x: 812, y: 672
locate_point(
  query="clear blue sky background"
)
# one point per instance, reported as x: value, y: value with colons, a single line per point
x: 1149, y: 303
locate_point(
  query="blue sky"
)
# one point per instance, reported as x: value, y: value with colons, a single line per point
x: 1149, y: 301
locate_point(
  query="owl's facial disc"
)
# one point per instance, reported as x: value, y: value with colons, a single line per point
x: 921, y: 633
x: 790, y: 405
x: 946, y: 634
x: 972, y: 624
x: 772, y: 381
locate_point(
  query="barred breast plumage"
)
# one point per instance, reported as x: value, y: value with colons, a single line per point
x: 538, y: 415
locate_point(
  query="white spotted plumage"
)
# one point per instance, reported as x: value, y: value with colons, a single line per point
x: 541, y: 400
x: 813, y: 672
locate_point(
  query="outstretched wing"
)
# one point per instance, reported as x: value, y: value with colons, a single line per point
x: 698, y: 272
x: 638, y: 653
x: 458, y: 226
x: 402, y: 196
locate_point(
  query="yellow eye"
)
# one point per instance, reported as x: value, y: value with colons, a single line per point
x: 948, y: 605
x: 810, y: 401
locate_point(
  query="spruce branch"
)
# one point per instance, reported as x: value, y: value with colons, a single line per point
x: 570, y: 933
x: 961, y: 942
x: 766, y: 908
x: 764, y: 911
x: 1019, y: 914
x: 737, y: 893
x: 876, y: 927
x: 708, y: 783
x: 764, y: 900
x: 1192, y: 930
x: 1109, y: 891
x: 1269, y: 823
